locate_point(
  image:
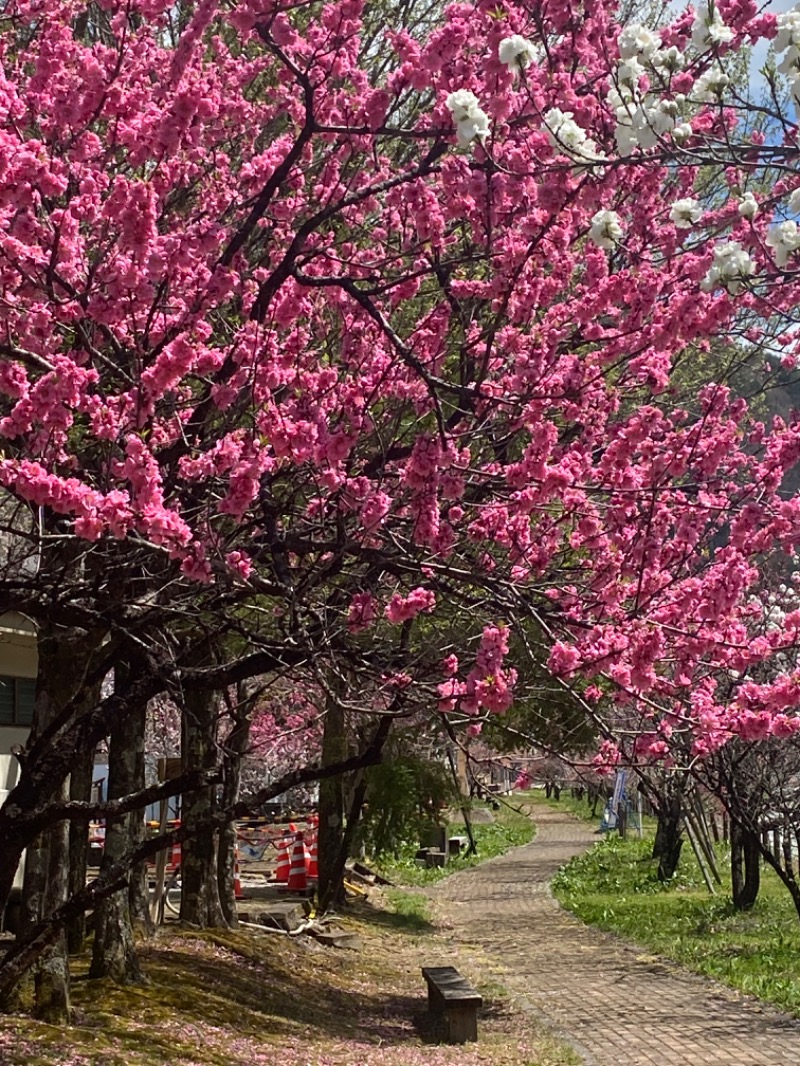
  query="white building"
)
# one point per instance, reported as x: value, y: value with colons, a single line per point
x: 18, y: 662
x: 17, y: 689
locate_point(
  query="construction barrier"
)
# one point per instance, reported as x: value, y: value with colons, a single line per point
x: 284, y: 862
x: 313, y: 866
x: 298, y: 874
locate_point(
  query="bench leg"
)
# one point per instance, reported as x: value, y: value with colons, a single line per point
x: 462, y: 1025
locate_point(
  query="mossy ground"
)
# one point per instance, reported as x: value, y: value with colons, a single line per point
x: 256, y: 999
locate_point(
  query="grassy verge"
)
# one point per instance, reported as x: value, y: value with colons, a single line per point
x: 249, y: 999
x: 510, y: 828
x: 614, y: 887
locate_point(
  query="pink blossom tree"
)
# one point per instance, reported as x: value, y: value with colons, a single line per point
x: 342, y: 341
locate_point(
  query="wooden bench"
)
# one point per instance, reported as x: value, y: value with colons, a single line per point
x: 451, y: 994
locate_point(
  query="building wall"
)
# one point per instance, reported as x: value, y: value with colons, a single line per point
x: 17, y: 646
x: 17, y: 659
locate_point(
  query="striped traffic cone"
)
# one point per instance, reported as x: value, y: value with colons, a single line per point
x: 313, y: 866
x: 284, y: 862
x: 298, y: 875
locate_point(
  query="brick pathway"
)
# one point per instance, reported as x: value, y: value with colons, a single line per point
x: 616, y: 1006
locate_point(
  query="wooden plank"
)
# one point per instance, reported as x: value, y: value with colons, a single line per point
x: 462, y: 1024
x: 450, y: 986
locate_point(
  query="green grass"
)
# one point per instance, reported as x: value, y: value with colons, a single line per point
x: 511, y: 828
x: 614, y: 886
x: 409, y: 912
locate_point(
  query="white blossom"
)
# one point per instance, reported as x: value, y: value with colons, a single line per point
x: 644, y: 126
x: 567, y: 136
x: 663, y: 117
x: 470, y: 119
x: 748, y: 206
x: 685, y: 213
x: 794, y: 202
x: 628, y: 73
x: 791, y: 60
x: 710, y: 86
x: 729, y: 269
x: 563, y: 131
x: 621, y: 96
x: 788, y: 30
x: 590, y: 153
x: 636, y: 41
x: 461, y: 103
x: 670, y: 59
x: 784, y: 239
x: 708, y: 28
x: 627, y: 138
x: 476, y: 126
x: 682, y: 132
x: 516, y: 53
x: 606, y: 229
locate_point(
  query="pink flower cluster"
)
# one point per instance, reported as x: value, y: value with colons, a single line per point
x: 401, y: 608
x: 489, y: 685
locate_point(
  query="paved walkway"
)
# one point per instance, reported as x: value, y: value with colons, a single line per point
x: 616, y: 1006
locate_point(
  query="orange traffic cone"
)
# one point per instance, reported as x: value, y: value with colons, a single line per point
x: 298, y: 879
x: 313, y: 867
x: 284, y: 863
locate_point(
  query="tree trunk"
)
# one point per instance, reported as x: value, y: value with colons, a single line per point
x: 752, y: 868
x: 669, y: 837
x: 52, y: 973
x: 331, y: 805
x: 235, y: 747
x: 114, y: 955
x: 334, y: 888
x: 745, y: 867
x: 80, y: 788
x: 200, y: 901
x: 64, y: 656
x: 139, y: 889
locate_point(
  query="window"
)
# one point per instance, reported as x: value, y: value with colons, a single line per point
x: 16, y: 700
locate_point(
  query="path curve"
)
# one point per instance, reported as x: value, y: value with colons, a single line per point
x: 614, y: 1004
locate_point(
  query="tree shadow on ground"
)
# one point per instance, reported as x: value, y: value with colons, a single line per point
x: 431, y: 1026
x: 275, y: 989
